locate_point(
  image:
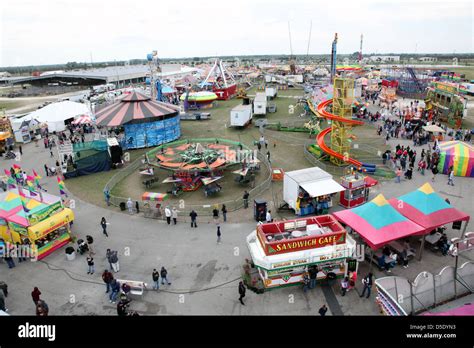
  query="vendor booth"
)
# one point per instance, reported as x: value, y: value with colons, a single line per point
x: 309, y: 190
x: 357, y: 189
x: 459, y: 155
x: 45, y: 227
x: 152, y: 202
x: 283, y: 251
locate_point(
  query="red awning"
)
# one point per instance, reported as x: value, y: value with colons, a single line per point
x: 369, y: 182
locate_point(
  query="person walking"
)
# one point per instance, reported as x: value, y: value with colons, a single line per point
x: 174, y: 215
x: 130, y: 205
x: 103, y: 223
x: 241, y: 292
x: 156, y: 279
x: 137, y: 207
x: 215, y: 215
x: 115, y: 287
x: 322, y: 311
x: 164, y: 274
x: 451, y: 176
x: 35, y: 295
x: 168, y: 214
x: 344, y: 285
x: 107, y: 277
x: 224, y: 212
x: 21, y: 150
x: 218, y: 234
x: 268, y: 157
x: 193, y: 216
x: 46, y: 169
x: 42, y: 309
x: 367, y: 281
x: 246, y: 199
x: 107, y: 197
x: 90, y: 264
x: 114, y: 261
x: 9, y: 261
x: 108, y: 255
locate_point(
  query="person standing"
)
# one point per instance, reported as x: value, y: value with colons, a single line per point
x: 46, y: 169
x: 268, y: 217
x: 367, y: 281
x: 156, y: 279
x: 2, y: 303
x: 90, y: 264
x: 115, y: 287
x: 241, y: 292
x: 35, y: 295
x: 451, y: 176
x: 322, y: 311
x: 168, y: 214
x: 107, y: 197
x: 10, y: 262
x: 103, y: 223
x: 114, y: 261
x: 193, y: 216
x: 164, y: 274
x: 268, y: 157
x: 246, y: 199
x: 218, y: 234
x: 434, y: 171
x: 215, y: 215
x: 137, y: 207
x: 174, y: 214
x: 130, y: 205
x: 398, y: 174
x: 224, y: 212
x: 313, y: 274
x: 21, y: 150
x: 306, y: 282
x: 344, y: 285
x: 107, y: 277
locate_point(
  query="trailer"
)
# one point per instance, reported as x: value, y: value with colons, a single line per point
x: 271, y: 92
x: 241, y: 115
x: 260, y: 104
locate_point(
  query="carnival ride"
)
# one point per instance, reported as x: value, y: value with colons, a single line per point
x: 197, y: 100
x: 341, y: 124
x: 197, y: 162
x: 222, y: 81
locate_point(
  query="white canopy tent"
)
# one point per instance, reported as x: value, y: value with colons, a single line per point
x: 55, y: 115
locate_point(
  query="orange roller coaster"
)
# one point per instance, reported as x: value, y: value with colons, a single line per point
x: 320, y: 137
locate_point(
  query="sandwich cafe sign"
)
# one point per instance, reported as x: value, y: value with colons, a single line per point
x: 313, y: 242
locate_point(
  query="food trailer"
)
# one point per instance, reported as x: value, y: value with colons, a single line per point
x: 308, y: 191
x: 283, y: 251
x: 357, y: 189
x: 241, y: 115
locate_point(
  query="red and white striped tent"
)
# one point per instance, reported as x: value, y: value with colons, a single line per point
x: 83, y: 119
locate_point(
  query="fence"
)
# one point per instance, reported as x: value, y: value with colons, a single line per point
x: 427, y: 290
x: 185, y: 209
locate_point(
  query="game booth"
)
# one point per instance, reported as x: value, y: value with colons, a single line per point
x: 45, y: 227
x: 283, y: 251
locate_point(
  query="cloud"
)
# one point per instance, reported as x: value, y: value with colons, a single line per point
x: 58, y: 31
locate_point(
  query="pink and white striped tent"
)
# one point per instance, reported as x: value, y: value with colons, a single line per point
x: 83, y: 119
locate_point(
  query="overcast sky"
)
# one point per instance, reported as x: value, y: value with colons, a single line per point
x: 60, y: 31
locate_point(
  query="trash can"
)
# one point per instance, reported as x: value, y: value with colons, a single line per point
x: 70, y: 253
x: 122, y: 206
x: 260, y: 209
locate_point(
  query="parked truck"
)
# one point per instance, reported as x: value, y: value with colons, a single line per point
x: 271, y: 92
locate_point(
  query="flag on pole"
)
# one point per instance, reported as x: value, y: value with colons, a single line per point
x: 36, y: 179
x: 11, y: 183
x: 61, y: 186
x: 23, y: 199
x: 17, y: 168
x: 7, y: 172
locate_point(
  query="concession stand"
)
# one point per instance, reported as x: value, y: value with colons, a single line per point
x: 283, y: 251
x: 44, y: 225
x: 356, y: 191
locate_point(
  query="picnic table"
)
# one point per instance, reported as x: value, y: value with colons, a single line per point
x: 150, y: 182
x: 398, y: 247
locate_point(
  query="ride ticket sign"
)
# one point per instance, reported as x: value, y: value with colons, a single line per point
x: 310, y: 242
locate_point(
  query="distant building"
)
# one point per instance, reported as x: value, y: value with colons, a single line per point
x: 5, y: 74
x: 383, y: 59
x: 428, y: 59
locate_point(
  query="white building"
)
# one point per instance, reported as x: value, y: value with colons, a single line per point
x: 384, y: 59
x: 428, y: 59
